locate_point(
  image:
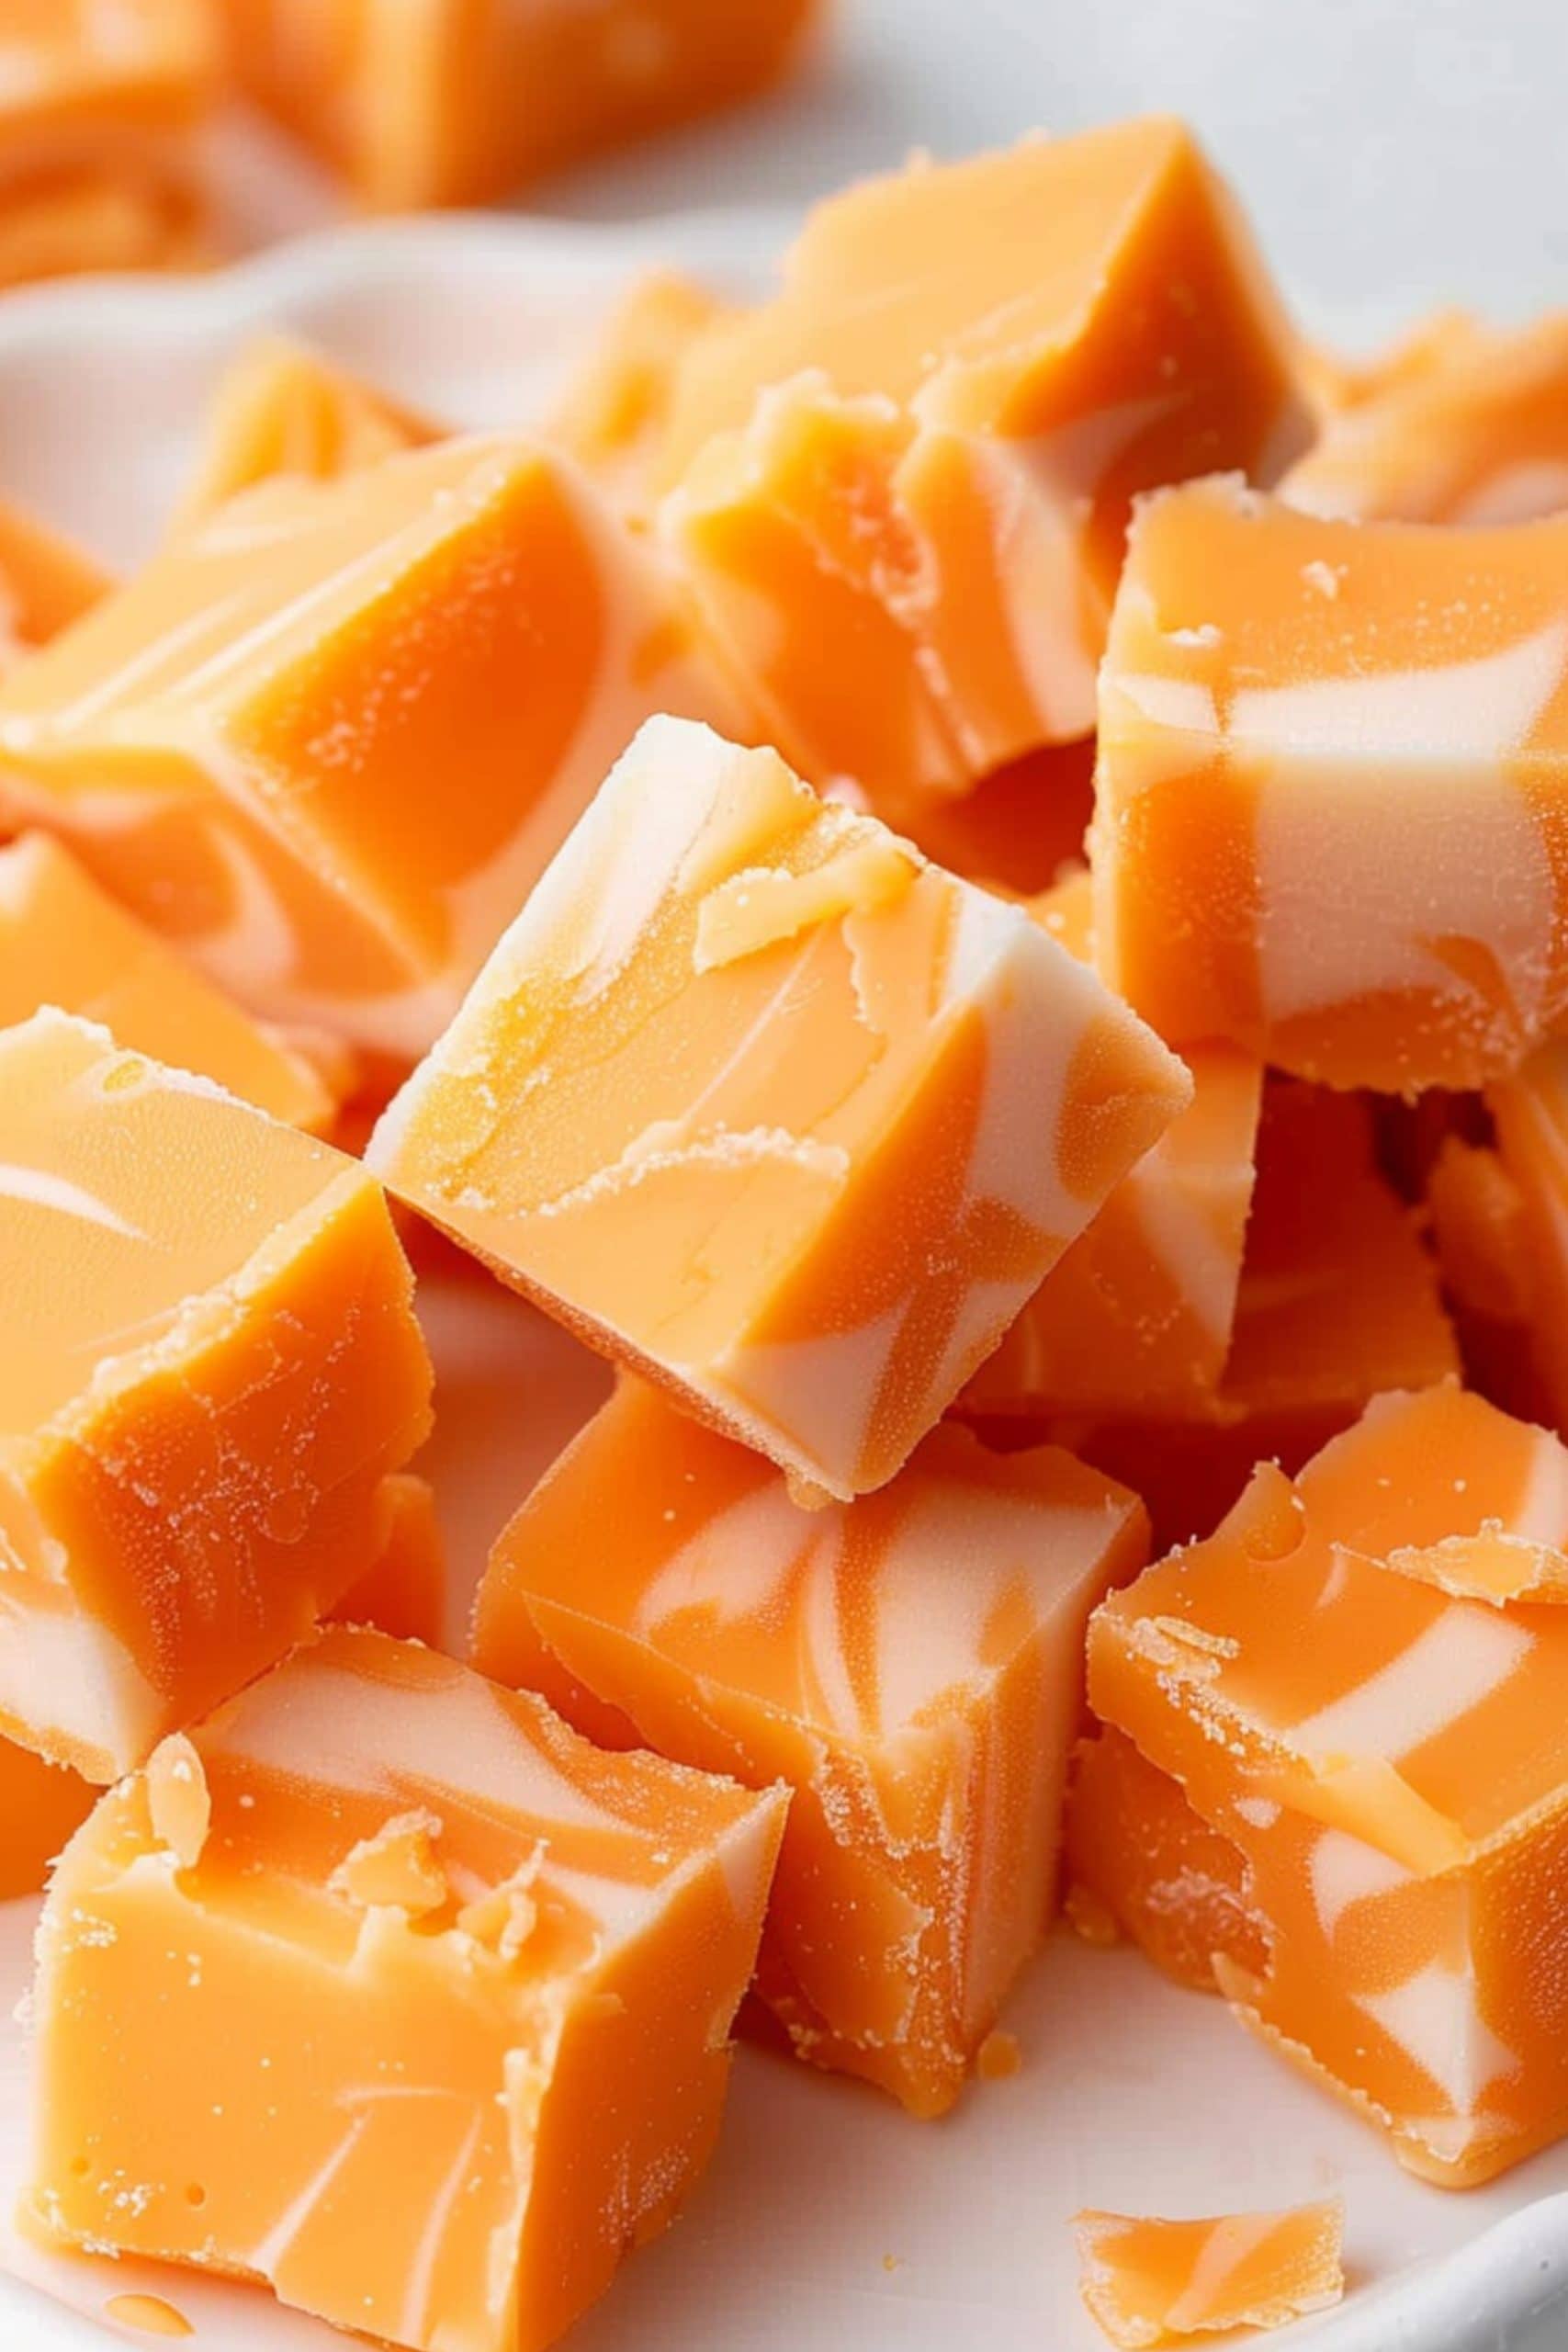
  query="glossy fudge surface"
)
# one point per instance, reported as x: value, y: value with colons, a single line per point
x: 761, y: 1102
x: 330, y: 1995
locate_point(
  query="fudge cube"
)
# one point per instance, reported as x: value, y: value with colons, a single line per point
x: 46, y: 582
x: 938, y: 428
x: 1332, y: 822
x: 911, y: 1664
x: 428, y: 102
x: 1138, y: 1315
x: 1478, y: 434
x: 64, y: 942
x: 387, y: 1989
x: 246, y: 742
x: 1150, y: 2282
x: 1361, y: 1681
x: 282, y: 409
x: 760, y: 1103
x: 613, y: 415
x: 210, y: 1362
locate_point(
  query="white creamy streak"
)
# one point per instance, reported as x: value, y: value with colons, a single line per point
x: 1463, y: 1656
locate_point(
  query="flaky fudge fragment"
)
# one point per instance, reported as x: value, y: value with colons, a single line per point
x: 763, y: 1105
x: 909, y: 1663
x: 385, y: 1988
x: 1150, y: 2282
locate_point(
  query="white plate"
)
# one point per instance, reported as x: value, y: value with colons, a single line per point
x: 828, y: 2220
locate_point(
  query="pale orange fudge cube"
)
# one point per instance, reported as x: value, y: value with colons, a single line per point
x: 248, y: 743
x: 437, y: 102
x: 1332, y: 824
x: 613, y: 415
x: 1345, y: 1687
x: 1138, y: 1315
x: 1477, y: 436
x: 101, y: 110
x: 46, y: 582
x: 211, y: 1364
x: 911, y: 1664
x: 904, y: 484
x: 1150, y: 2282
x: 280, y: 409
x: 403, y: 1589
x: 64, y: 942
x: 388, y: 1990
x: 760, y: 1103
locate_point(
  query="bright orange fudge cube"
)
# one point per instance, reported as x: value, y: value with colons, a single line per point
x: 244, y: 742
x: 820, y: 1117
x: 910, y: 1664
x: 45, y: 584
x: 211, y: 1364
x: 431, y: 102
x: 615, y: 414
x: 388, y: 1990
x: 1150, y: 2282
x: 66, y: 942
x: 1345, y: 1686
x: 1332, y: 822
x: 904, y: 484
x: 1477, y: 436
x: 281, y: 409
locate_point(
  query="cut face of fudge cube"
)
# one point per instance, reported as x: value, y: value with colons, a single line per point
x: 385, y: 1988
x: 329, y: 738
x: 1345, y: 1686
x: 211, y: 1364
x: 759, y: 1101
x: 909, y: 1663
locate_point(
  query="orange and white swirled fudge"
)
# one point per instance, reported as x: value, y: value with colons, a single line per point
x: 1332, y: 824
x: 1137, y: 1317
x: 101, y: 109
x: 282, y: 409
x: 64, y: 942
x: 761, y: 1102
x: 910, y: 1664
x: 387, y: 1989
x: 429, y: 102
x: 1150, y: 2282
x: 327, y: 740
x: 210, y: 1362
x: 902, y: 486
x: 1360, y: 1679
x: 1475, y: 436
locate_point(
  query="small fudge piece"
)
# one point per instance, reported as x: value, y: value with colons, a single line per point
x: 386, y: 1988
x: 1347, y: 1688
x: 404, y: 1591
x: 1150, y: 2282
x: 1479, y: 435
x: 1433, y: 343
x: 1332, y: 822
x: 911, y: 1664
x: 613, y: 415
x: 245, y: 741
x: 820, y: 1117
x: 902, y: 488
x: 211, y: 1362
x: 281, y: 409
x: 432, y: 102
x: 64, y: 942
x: 46, y: 582
x: 100, y: 115
x: 1138, y: 1315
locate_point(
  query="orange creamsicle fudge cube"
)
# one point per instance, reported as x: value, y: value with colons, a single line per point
x: 46, y: 584
x: 1361, y: 1679
x: 212, y: 1362
x: 613, y: 415
x: 905, y: 484
x: 282, y: 409
x: 911, y: 1664
x: 1138, y: 1315
x: 1332, y: 822
x: 64, y: 942
x: 1150, y: 2282
x: 431, y: 102
x: 327, y: 739
x: 100, y: 111
x: 1480, y: 438
x: 760, y: 1103
x: 387, y: 1989
x: 403, y: 1590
